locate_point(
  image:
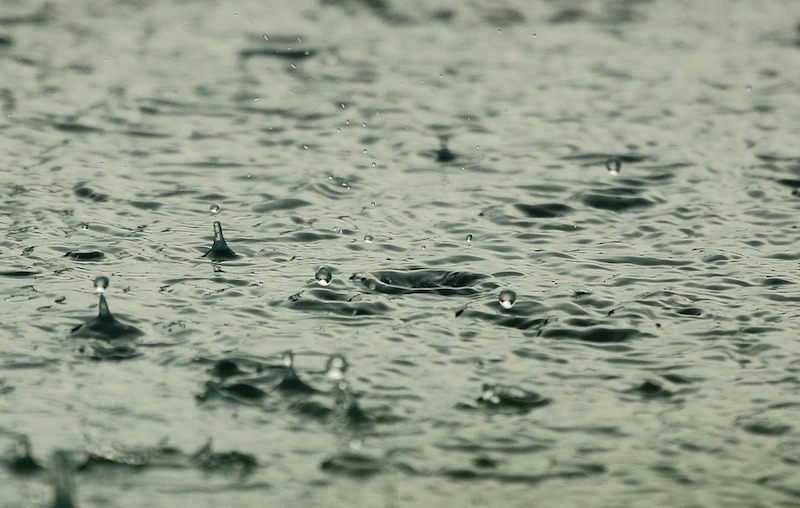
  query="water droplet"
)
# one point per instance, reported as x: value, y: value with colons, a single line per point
x: 288, y: 359
x: 469, y: 238
x: 507, y: 298
x: 374, y: 164
x: 613, y: 165
x: 265, y: 37
x: 100, y: 283
x: 305, y: 147
x: 369, y: 238
x: 343, y: 105
x: 336, y: 367
x: 214, y: 208
x: 372, y: 203
x: 347, y: 122
x: 84, y: 226
x: 424, y: 247
x: 323, y: 276
x: 364, y: 124
x: 499, y: 31
x: 365, y: 151
x: 478, y: 147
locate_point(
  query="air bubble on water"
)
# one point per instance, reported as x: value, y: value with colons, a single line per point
x: 323, y: 276
x: 288, y: 359
x: 214, y: 209
x: 507, y: 298
x: 369, y: 238
x: 469, y: 238
x: 100, y: 283
x: 613, y: 165
x: 336, y: 367
x: 84, y: 226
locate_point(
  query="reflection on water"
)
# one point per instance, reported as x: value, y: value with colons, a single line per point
x: 553, y: 249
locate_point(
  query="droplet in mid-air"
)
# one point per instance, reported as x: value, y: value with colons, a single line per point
x: 214, y: 209
x: 507, y: 298
x: 323, y: 276
x: 469, y: 238
x: 369, y: 238
x: 100, y: 283
x: 288, y: 359
x: 336, y: 367
x: 220, y: 249
x: 613, y: 165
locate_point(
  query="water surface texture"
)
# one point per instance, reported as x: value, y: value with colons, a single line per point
x: 470, y: 253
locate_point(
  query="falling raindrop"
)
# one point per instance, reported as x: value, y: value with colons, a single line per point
x: 613, y: 165
x: 323, y: 276
x: 100, y: 283
x: 507, y: 298
x: 214, y: 208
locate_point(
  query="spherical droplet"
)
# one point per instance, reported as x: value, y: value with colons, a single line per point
x: 214, y: 208
x: 469, y: 238
x: 507, y: 298
x: 323, y: 276
x: 613, y: 165
x: 101, y: 283
x: 372, y: 203
x: 336, y: 367
x: 288, y: 359
x: 84, y: 226
x: 369, y: 238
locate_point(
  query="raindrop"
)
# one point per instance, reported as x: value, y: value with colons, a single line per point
x: 84, y: 226
x: 265, y: 37
x: 100, y: 283
x: 364, y: 124
x: 469, y: 238
x: 323, y: 276
x: 365, y: 151
x: 507, y: 298
x: 372, y: 203
x: 288, y: 359
x: 374, y: 164
x: 343, y: 105
x: 424, y: 247
x: 613, y: 165
x: 369, y: 238
x: 336, y: 367
x: 214, y: 208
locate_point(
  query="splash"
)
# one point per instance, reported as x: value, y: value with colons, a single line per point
x: 105, y: 326
x: 220, y: 250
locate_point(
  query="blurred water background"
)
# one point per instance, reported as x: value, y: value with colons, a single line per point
x: 629, y: 169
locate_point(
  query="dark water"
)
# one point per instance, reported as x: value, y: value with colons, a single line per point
x: 630, y: 169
